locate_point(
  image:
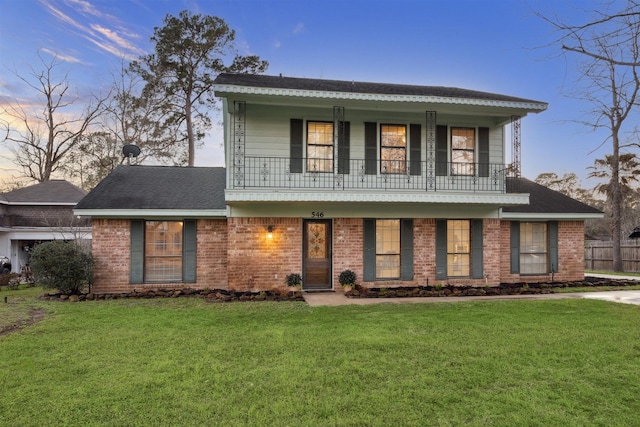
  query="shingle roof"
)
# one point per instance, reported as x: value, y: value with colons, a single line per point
x: 543, y: 200
x: 280, y: 82
x: 56, y: 191
x: 202, y: 188
x: 159, y: 187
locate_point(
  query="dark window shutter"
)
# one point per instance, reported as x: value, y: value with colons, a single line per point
x: 515, y: 247
x: 136, y: 257
x: 476, y: 257
x: 415, y: 153
x: 370, y: 148
x: 295, y: 150
x: 441, y: 249
x: 483, y: 152
x: 369, y: 255
x: 441, y: 151
x: 189, y: 251
x: 553, y: 246
x: 406, y: 249
x: 344, y: 149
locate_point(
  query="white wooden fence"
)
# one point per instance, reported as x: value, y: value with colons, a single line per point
x: 598, y: 255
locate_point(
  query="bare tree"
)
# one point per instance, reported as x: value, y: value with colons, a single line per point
x: 43, y: 136
x: 609, y: 52
x: 128, y: 118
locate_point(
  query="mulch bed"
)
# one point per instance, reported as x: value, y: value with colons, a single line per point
x: 502, y: 289
x: 211, y: 295
x: 222, y: 295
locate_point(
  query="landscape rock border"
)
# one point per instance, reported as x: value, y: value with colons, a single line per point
x: 211, y: 295
x: 445, y: 290
x: 521, y: 288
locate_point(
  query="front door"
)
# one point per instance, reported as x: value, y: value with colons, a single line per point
x: 317, y: 255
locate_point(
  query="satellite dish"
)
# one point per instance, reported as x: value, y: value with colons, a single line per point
x: 131, y: 150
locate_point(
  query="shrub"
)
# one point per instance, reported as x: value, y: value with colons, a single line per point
x: 61, y: 265
x: 347, y: 277
x: 9, y: 280
x: 293, y: 279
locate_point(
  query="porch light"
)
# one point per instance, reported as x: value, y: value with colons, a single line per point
x: 270, y: 232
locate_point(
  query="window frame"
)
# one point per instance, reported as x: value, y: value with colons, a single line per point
x: 158, y: 251
x: 403, y: 162
x: 453, y: 254
x: 331, y: 162
x: 137, y: 248
x: 463, y: 168
x: 390, y: 255
x: 522, y: 253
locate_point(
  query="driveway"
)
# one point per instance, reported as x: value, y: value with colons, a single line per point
x: 625, y: 297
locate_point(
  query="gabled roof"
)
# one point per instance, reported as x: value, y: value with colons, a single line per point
x: 157, y: 189
x: 53, y: 192
x: 546, y: 202
x: 295, y: 86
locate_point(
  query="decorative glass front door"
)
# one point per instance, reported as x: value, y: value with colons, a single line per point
x: 317, y: 255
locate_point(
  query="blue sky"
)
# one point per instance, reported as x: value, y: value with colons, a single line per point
x: 489, y: 45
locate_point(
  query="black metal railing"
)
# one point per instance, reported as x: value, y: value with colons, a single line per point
x: 279, y: 172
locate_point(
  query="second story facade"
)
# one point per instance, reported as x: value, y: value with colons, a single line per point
x: 294, y: 139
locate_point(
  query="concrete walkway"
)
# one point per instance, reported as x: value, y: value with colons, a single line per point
x: 339, y: 298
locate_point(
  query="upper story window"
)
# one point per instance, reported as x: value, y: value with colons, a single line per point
x: 319, y: 147
x: 393, y: 148
x: 463, y: 144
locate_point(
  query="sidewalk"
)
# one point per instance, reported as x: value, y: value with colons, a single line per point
x: 339, y: 298
x: 612, y: 276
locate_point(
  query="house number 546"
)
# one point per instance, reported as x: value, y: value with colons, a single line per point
x: 317, y: 214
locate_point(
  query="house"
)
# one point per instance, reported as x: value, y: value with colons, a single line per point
x: 405, y: 185
x: 38, y: 213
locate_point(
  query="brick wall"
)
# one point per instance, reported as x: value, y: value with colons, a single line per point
x: 424, y: 251
x: 257, y: 263
x: 570, y: 254
x: 347, y: 248
x: 492, y: 244
x: 570, y: 250
x: 236, y: 254
x: 111, y: 246
x: 211, y: 263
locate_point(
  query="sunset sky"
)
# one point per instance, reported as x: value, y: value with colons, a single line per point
x: 490, y: 45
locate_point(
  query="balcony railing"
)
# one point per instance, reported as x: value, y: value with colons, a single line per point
x: 279, y: 172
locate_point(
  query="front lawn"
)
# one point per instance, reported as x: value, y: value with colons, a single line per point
x: 188, y: 362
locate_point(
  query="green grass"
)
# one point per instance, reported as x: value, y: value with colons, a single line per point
x: 188, y: 362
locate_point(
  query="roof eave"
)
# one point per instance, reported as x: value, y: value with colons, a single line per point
x: 223, y: 90
x: 531, y: 216
x: 152, y: 213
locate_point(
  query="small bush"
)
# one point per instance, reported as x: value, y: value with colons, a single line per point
x: 61, y: 265
x: 293, y: 279
x: 347, y: 277
x: 10, y: 280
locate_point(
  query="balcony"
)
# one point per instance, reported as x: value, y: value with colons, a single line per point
x: 381, y: 175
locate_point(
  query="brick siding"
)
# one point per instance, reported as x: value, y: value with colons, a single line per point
x: 110, y: 246
x: 258, y: 263
x: 570, y: 254
x: 236, y: 254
